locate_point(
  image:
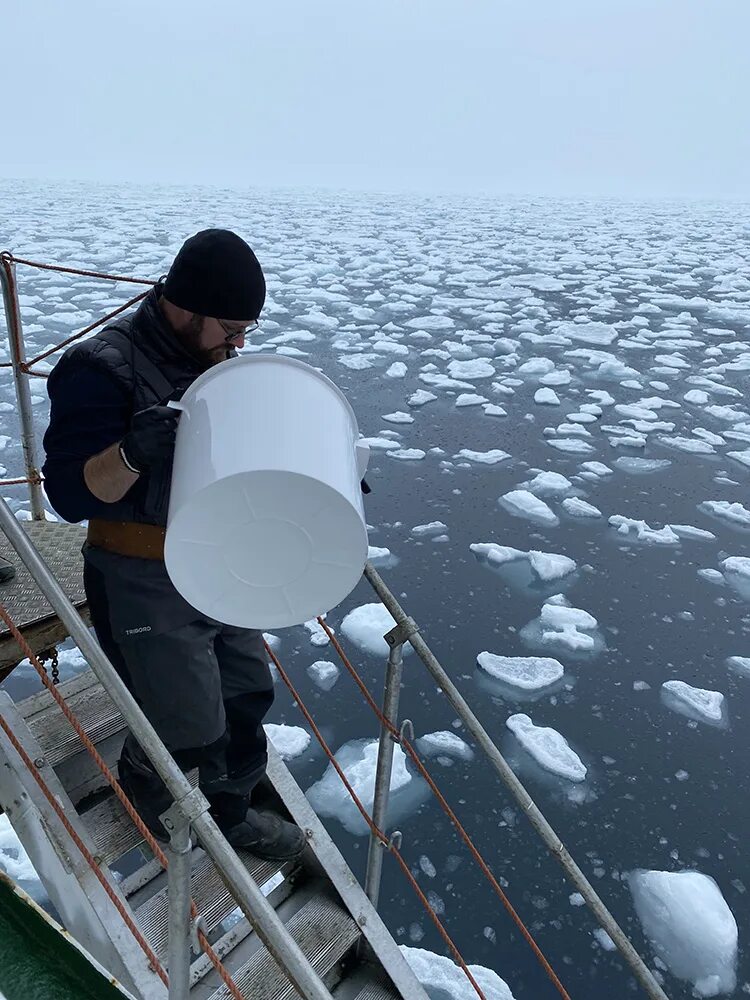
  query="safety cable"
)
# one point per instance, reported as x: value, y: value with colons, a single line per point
x: 126, y: 803
x: 385, y: 841
x: 405, y: 743
x: 396, y: 735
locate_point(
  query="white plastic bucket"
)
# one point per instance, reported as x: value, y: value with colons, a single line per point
x: 266, y: 526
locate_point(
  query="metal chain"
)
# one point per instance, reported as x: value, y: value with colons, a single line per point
x: 36, y: 662
x: 51, y: 655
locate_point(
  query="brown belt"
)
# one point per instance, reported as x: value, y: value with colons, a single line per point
x: 127, y: 538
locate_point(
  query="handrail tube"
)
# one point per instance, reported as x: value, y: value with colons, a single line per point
x: 262, y: 916
x: 537, y: 819
x: 178, y: 881
x: 23, y: 393
x: 383, y: 769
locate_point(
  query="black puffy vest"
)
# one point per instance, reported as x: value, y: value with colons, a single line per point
x: 143, y: 354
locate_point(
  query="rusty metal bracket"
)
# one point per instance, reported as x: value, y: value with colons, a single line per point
x: 401, y: 633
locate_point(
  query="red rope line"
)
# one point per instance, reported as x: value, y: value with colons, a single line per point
x: 364, y: 690
x: 86, y: 329
x: 127, y: 920
x: 484, y: 867
x: 27, y: 365
x: 126, y: 803
x: 375, y: 830
x: 75, y: 270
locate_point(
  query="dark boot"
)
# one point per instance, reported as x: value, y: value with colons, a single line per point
x: 144, y: 788
x: 7, y: 570
x: 263, y: 795
x: 267, y: 835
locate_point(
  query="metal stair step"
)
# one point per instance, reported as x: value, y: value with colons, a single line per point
x: 93, y: 707
x: 366, y: 983
x: 325, y: 932
x: 318, y: 899
x: 377, y: 991
x: 212, y: 898
x: 111, y: 829
x: 59, y: 742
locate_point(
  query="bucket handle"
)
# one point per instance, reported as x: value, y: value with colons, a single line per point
x: 363, y: 458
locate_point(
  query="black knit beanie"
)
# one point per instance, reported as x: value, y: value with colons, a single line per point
x: 217, y: 274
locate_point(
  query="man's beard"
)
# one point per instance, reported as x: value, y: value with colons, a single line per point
x: 190, y: 337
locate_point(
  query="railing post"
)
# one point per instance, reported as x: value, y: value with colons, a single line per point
x: 394, y: 670
x: 178, y: 883
x: 506, y: 774
x: 23, y: 393
x: 245, y: 890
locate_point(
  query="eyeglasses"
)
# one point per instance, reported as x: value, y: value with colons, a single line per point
x: 243, y: 331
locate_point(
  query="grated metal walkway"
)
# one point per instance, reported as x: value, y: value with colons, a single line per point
x: 317, y: 897
x: 60, y: 546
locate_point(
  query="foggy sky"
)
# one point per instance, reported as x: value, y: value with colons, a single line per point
x: 574, y: 97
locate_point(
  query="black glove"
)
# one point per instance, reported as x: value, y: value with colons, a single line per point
x: 151, y: 437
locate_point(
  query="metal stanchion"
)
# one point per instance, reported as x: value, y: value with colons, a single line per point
x: 394, y: 670
x: 178, y: 882
x: 189, y: 801
x: 23, y: 393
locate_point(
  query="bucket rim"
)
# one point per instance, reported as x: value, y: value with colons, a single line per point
x: 246, y: 359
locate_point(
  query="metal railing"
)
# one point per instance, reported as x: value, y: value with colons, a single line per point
x: 21, y: 379
x: 190, y: 806
x: 501, y: 767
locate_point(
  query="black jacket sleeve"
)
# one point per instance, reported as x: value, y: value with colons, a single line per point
x: 89, y: 411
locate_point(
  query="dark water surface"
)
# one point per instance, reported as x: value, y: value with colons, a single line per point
x: 327, y: 257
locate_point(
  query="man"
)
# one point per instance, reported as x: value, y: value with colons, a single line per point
x: 204, y: 686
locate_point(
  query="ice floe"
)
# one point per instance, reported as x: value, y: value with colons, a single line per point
x: 638, y: 530
x: 491, y: 457
x: 366, y: 625
x: 289, y: 741
x: 479, y: 368
x: 358, y: 759
x: 563, y: 629
x: 575, y: 507
x: 740, y: 664
x: 547, y: 396
x: 444, y: 980
x: 690, y: 927
x: 694, y: 702
x: 470, y: 399
x: 548, y: 748
x: 522, y: 503
x: 444, y: 743
x: 420, y: 397
x: 546, y: 566
x: 548, y: 484
x: 429, y: 530
x: 733, y: 513
x: 529, y: 673
x: 324, y: 674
